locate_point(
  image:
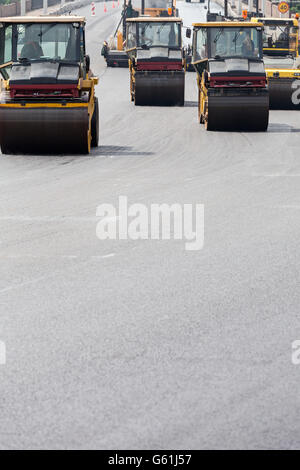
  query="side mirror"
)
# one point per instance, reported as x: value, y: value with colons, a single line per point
x: 87, y: 63
x: 205, y: 7
x: 188, y: 32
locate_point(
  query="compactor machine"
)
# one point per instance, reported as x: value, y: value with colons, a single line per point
x: 47, y: 101
x: 228, y: 59
x: 113, y: 50
x: 156, y: 61
x: 280, y: 48
x: 158, y: 8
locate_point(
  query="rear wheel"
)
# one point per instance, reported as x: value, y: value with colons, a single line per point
x: 95, y: 125
x: 200, y: 118
x: 209, y: 126
x: 202, y: 109
x: 131, y: 89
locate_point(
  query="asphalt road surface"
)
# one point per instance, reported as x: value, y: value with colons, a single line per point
x: 142, y: 344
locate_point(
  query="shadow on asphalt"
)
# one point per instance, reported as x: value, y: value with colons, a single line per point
x: 113, y: 150
x: 282, y: 128
x: 102, y: 150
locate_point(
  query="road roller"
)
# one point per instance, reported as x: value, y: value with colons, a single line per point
x: 156, y: 61
x: 280, y: 48
x: 232, y: 85
x: 113, y: 49
x: 158, y: 8
x: 47, y: 100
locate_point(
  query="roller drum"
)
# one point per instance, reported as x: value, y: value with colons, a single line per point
x: 282, y: 94
x: 159, y: 88
x: 44, y: 129
x: 238, y: 111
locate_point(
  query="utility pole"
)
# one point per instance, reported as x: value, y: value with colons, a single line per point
x: 45, y: 7
x: 23, y: 7
x: 226, y: 8
x: 143, y: 7
x: 239, y: 8
x: 124, y: 16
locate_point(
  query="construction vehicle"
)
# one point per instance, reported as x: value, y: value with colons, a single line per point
x: 48, y: 101
x: 281, y: 50
x: 188, y: 49
x: 158, y: 8
x: 113, y: 50
x: 156, y: 61
x: 232, y: 85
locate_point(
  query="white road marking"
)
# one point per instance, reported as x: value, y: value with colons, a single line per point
x: 42, y: 278
x: 277, y: 175
x: 22, y: 284
x: 286, y: 206
x: 46, y: 218
x: 109, y: 255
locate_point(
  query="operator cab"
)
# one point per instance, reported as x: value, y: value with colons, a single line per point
x: 228, y: 47
x: 280, y: 41
x: 149, y: 38
x: 42, y: 48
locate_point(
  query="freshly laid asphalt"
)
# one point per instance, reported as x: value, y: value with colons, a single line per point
x: 123, y: 344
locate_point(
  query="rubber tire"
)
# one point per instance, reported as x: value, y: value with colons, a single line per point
x: 95, y: 125
x: 131, y: 89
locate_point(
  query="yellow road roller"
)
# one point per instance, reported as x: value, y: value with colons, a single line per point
x: 232, y: 85
x: 113, y: 50
x: 158, y: 8
x: 280, y: 48
x: 156, y: 61
x: 47, y: 100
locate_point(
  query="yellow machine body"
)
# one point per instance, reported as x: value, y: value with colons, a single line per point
x: 282, y: 64
x: 232, y: 85
x: 47, y: 115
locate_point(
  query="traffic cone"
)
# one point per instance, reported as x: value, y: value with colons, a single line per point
x: 105, y: 9
x: 113, y: 5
